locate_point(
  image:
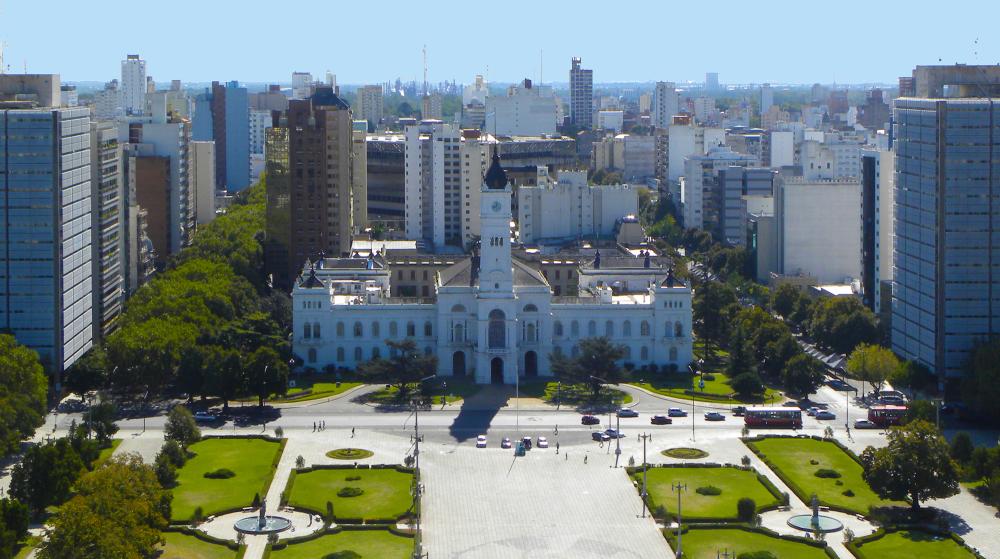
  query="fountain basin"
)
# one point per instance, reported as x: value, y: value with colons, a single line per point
x: 815, y: 523
x: 271, y: 525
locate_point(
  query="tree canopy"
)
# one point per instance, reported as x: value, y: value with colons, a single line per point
x: 23, y: 386
x: 842, y: 323
x: 981, y: 382
x: 713, y: 306
x: 405, y: 365
x: 873, y: 363
x: 595, y: 365
x: 916, y: 464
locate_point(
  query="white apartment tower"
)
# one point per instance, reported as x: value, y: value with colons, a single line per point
x: 133, y: 92
x: 433, y: 183
x: 665, y: 104
x: 766, y: 98
x: 581, y: 93
x: 370, y: 104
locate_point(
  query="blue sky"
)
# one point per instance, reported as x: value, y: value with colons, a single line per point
x: 803, y: 41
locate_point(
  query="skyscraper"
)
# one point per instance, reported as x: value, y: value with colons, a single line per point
x: 108, y: 229
x: 581, y: 95
x: 665, y: 104
x: 946, y: 293
x: 369, y: 105
x: 711, y: 81
x: 222, y: 115
x: 766, y: 98
x: 47, y: 285
x: 133, y: 92
x: 310, y: 185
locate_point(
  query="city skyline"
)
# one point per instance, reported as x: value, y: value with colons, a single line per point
x: 854, y: 55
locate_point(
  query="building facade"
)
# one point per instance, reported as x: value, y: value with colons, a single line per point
x: 133, y: 91
x: 370, y: 105
x: 108, y: 227
x: 526, y: 110
x: 222, y: 115
x: 581, y: 95
x: 666, y: 103
x: 570, y: 208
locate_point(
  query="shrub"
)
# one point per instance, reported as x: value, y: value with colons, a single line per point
x: 350, y: 492
x: 745, y: 461
x: 352, y: 478
x: 827, y: 473
x: 838, y: 482
x: 848, y: 535
x: 256, y: 500
x: 300, y: 462
x: 174, y: 452
x: 221, y: 473
x: 708, y: 377
x: 847, y: 493
x: 814, y: 462
x: 329, y: 511
x: 198, y: 515
x: 279, y: 432
x: 746, y: 509
x: 166, y: 472
x: 962, y: 447
x: 708, y: 490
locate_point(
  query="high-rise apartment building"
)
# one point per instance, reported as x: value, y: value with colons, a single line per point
x: 581, y: 95
x: 133, y: 93
x: 108, y: 226
x: 47, y: 286
x: 945, y: 290
x: 301, y: 85
x: 711, y: 81
x: 222, y: 115
x: 702, y: 194
x: 526, y: 110
x: 310, y: 183
x: 433, y: 183
x: 369, y: 105
x: 766, y: 98
x: 666, y: 103
x: 202, y: 178
x: 877, y: 185
x: 108, y: 101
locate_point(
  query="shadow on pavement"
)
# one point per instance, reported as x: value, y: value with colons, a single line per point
x: 477, y: 412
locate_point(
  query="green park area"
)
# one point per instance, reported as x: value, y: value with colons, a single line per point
x: 907, y: 544
x: 250, y: 460
x: 27, y: 547
x: 314, y: 389
x: 687, y: 386
x: 106, y: 453
x: 382, y: 494
x: 572, y: 394
x: 356, y: 544
x: 182, y: 546
x: 699, y: 500
x: 434, y: 392
x: 711, y: 543
x: 811, y: 466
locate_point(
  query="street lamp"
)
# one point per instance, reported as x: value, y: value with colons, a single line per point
x: 643, y: 438
x: 678, y: 487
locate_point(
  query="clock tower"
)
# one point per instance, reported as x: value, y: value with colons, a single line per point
x: 495, y: 267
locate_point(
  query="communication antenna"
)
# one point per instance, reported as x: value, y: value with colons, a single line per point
x: 425, y: 70
x: 2, y: 45
x: 541, y: 66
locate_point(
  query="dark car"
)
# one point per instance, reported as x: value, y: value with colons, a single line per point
x: 660, y: 420
x: 526, y: 440
x: 627, y: 412
x: 599, y: 436
x: 614, y: 434
x: 589, y: 420
x: 739, y: 410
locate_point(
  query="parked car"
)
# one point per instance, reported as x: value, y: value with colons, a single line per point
x: 611, y: 433
x: 600, y: 436
x: 812, y: 411
x: 526, y: 441
x: 864, y: 424
x: 627, y: 412
x: 660, y: 420
x: 543, y: 442
x: 676, y: 412
x: 714, y: 416
x: 824, y: 414
x: 589, y: 420
x: 205, y: 417
x: 739, y: 410
x: 505, y: 443
x: 481, y: 441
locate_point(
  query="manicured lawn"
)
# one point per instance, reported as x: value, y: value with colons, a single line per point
x: 250, y: 459
x: 318, y: 390
x: 27, y: 547
x: 572, y: 394
x: 707, y: 543
x: 908, y: 544
x: 734, y: 483
x: 716, y: 389
x: 792, y: 462
x: 368, y: 544
x: 106, y: 453
x: 182, y: 546
x: 386, y: 492
x: 435, y: 391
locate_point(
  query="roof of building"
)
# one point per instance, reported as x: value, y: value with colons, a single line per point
x: 462, y: 274
x: 325, y: 97
x: 457, y: 275
x: 311, y: 280
x: 496, y: 177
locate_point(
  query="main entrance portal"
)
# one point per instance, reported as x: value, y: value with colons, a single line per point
x: 496, y: 371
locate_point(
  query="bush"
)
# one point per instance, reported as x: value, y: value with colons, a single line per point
x: 329, y: 511
x: 838, y: 482
x: 300, y: 462
x: 708, y: 490
x: 174, y: 452
x: 814, y: 462
x: 198, y: 515
x: 847, y: 493
x: 757, y: 555
x: 279, y: 432
x: 708, y: 377
x: 352, y: 478
x: 962, y: 447
x: 221, y: 473
x: 746, y: 509
x: 745, y: 461
x: 166, y: 472
x: 827, y: 473
x: 350, y: 492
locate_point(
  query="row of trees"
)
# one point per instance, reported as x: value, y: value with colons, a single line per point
x: 23, y: 386
x: 837, y: 323
x: 208, y: 325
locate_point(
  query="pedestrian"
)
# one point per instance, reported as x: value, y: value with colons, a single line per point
x: 566, y: 456
x: 602, y: 444
x: 557, y: 447
x: 352, y: 432
x: 314, y: 426
x: 585, y: 456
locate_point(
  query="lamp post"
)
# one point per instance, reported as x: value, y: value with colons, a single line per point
x: 416, y: 446
x: 678, y: 487
x: 643, y: 438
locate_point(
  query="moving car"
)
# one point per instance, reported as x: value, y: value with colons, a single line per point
x: 611, y: 433
x: 864, y: 424
x: 589, y: 420
x: 660, y: 420
x: 543, y: 442
x: 481, y: 441
x: 205, y: 417
x: 505, y: 443
x: 714, y: 416
x: 676, y: 412
x: 812, y: 411
x: 824, y: 414
x: 599, y: 436
x: 627, y: 412
x: 526, y: 441
x: 739, y: 410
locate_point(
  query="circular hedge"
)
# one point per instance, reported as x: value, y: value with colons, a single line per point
x: 350, y: 492
x: 221, y: 473
x: 708, y: 490
x: 683, y: 453
x: 349, y: 454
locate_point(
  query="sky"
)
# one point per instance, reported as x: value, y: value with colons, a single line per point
x: 844, y: 41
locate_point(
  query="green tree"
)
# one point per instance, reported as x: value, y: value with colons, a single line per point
x: 747, y: 385
x: 226, y: 378
x: 915, y: 464
x: 920, y: 410
x: 741, y: 358
x: 962, y: 447
x: 181, y: 427
x: 405, y: 365
x: 118, y: 512
x: 267, y: 373
x: 872, y: 363
x: 778, y: 352
x: 46, y: 475
x: 87, y: 373
x: 713, y: 307
x: 842, y: 323
x: 981, y: 381
x: 911, y: 376
x: 22, y: 400
x: 803, y: 375
x: 14, y: 517
x: 785, y: 298
x: 100, y: 420
x: 595, y: 365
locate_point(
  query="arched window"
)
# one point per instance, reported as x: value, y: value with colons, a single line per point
x: 609, y: 329
x: 673, y: 354
x: 678, y: 330
x: 591, y: 328
x: 428, y: 329
x: 644, y: 353
x: 359, y: 331
x: 340, y: 329
x: 340, y: 355
x: 627, y: 328
x: 393, y: 330
x: 458, y: 309
x: 312, y: 355
x: 576, y: 351
x: 557, y: 329
x: 574, y: 328
x: 644, y: 328
x: 668, y: 330
x: 497, y: 329
x: 358, y: 355
x: 307, y: 330
x: 531, y: 333
x: 530, y: 308
x: 375, y: 330
x: 458, y: 332
x: 411, y: 329
x: 376, y: 353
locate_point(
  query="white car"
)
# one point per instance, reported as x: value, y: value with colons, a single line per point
x: 864, y: 424
x: 543, y: 442
x: 481, y: 441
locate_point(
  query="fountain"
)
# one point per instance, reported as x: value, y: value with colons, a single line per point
x: 262, y: 523
x: 815, y: 522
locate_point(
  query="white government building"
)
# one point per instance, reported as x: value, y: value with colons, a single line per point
x: 493, y: 316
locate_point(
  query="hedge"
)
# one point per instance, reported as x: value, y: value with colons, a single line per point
x: 189, y: 531
x: 329, y: 531
x: 853, y: 545
x: 671, y: 536
x: 415, y: 508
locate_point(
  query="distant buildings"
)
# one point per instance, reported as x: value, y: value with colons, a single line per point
x: 133, y: 85
x: 766, y: 98
x: 302, y: 83
x: 702, y: 193
x: 711, y: 81
x: 108, y: 226
x: 570, y: 208
x: 526, y: 110
x: 631, y: 155
x: 666, y: 103
x: 581, y: 94
x: 108, y: 102
x: 222, y: 115
x: 202, y: 177
x: 369, y: 105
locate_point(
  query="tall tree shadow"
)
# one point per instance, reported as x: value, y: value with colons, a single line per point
x: 477, y: 412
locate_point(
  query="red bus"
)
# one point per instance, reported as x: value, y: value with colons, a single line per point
x: 884, y: 416
x: 773, y: 417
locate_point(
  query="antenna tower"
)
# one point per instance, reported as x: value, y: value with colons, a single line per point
x: 425, y: 70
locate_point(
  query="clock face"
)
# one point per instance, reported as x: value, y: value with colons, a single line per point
x: 496, y: 206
